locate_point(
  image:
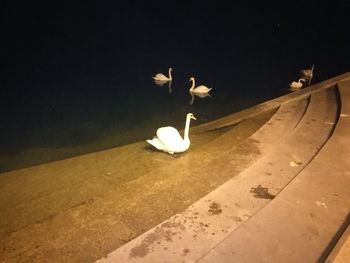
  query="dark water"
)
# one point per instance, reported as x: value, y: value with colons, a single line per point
x: 80, y: 74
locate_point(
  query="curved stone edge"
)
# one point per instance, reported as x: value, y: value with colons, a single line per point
x: 341, y: 252
x: 304, y: 222
x: 190, y: 234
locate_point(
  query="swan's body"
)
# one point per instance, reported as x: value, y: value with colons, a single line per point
x: 161, y: 77
x: 169, y: 139
x: 199, y: 89
x: 297, y: 84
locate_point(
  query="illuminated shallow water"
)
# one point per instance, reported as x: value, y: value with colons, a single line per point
x: 70, y: 124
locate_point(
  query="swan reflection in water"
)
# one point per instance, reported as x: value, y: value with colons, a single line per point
x: 161, y: 83
x: 160, y: 79
x: 200, y: 95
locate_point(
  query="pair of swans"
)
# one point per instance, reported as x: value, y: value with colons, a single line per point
x: 160, y: 79
x: 169, y: 140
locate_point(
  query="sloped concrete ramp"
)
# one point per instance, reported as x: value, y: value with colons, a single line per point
x: 290, y: 205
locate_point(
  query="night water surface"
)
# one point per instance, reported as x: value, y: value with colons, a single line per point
x: 78, y: 78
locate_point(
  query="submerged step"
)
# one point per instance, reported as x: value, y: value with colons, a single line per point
x: 76, y: 181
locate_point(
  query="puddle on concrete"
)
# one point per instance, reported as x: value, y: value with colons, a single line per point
x: 261, y: 192
x: 214, y: 209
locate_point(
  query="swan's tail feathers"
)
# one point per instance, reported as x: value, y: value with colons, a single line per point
x: 151, y: 142
x: 156, y: 143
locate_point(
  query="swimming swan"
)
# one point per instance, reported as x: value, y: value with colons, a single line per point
x: 297, y: 84
x: 169, y: 139
x: 308, y: 74
x: 161, y: 77
x: 199, y: 89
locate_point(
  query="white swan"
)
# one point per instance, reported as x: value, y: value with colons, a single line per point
x: 162, y: 78
x: 199, y: 89
x: 297, y: 84
x: 169, y: 139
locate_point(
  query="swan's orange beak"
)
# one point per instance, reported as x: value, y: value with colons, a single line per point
x: 194, y: 117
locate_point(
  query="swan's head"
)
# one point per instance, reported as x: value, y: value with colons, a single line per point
x: 190, y: 116
x: 301, y: 80
x: 191, y: 78
x: 170, y: 69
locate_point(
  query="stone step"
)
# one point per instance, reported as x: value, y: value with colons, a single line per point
x: 192, y: 233
x: 305, y: 221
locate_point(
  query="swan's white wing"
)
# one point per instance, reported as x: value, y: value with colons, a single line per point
x: 201, y: 89
x: 156, y: 143
x: 160, y: 76
x: 170, y: 138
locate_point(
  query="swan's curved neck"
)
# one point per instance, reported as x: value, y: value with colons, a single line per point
x: 170, y: 77
x: 193, y: 84
x: 187, y: 128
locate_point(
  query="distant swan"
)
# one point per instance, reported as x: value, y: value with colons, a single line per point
x: 308, y: 74
x: 169, y: 139
x: 161, y: 77
x: 295, y: 85
x: 199, y: 89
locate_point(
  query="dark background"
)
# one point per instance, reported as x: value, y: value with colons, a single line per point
x: 70, y: 62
